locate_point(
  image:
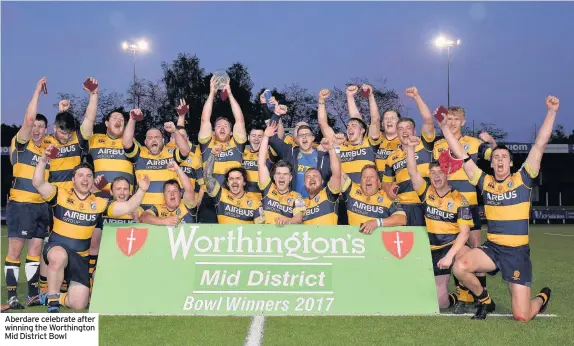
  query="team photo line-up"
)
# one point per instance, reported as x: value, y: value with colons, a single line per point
x: 67, y: 185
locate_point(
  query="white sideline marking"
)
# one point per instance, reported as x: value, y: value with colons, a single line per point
x: 496, y: 315
x: 561, y: 235
x: 255, y: 333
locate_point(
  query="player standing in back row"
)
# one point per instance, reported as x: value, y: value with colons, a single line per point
x: 507, y: 203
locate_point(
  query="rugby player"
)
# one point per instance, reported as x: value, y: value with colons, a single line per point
x: 108, y: 154
x: 281, y: 205
x: 152, y: 160
x: 396, y: 180
x: 390, y: 140
x: 368, y: 206
x: 249, y: 163
x: 322, y: 202
x: 76, y: 214
x: 177, y: 206
x: 233, y: 141
x: 233, y: 204
x: 475, y: 148
x: 26, y: 211
x: 507, y: 204
x: 448, y: 220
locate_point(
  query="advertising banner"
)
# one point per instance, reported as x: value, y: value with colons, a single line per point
x: 243, y: 270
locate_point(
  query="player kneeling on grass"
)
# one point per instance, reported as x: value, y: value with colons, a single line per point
x: 178, y: 207
x: 77, y: 212
x: 507, y: 204
x: 447, y: 217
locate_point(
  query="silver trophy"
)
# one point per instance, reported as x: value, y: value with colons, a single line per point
x: 221, y: 79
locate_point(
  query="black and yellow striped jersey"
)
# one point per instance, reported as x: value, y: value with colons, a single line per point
x: 507, y: 205
x: 385, y: 149
x: 458, y: 180
x: 110, y: 159
x: 233, y: 210
x: 276, y: 204
x: 155, y: 167
x: 355, y: 157
x: 24, y: 156
x: 250, y: 165
x: 231, y: 156
x: 444, y: 215
x: 191, y: 166
x: 124, y: 219
x: 68, y: 158
x: 396, y: 169
x: 75, y: 219
x: 185, y: 213
x: 362, y: 208
x: 322, y: 209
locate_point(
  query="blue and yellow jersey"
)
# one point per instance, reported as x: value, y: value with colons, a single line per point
x: 507, y: 205
x: 396, y: 169
x: 75, y: 219
x: 362, y: 208
x: 185, y: 213
x: 322, y: 209
x: 231, y: 156
x: 124, y: 219
x: 191, y: 166
x: 444, y: 215
x: 458, y: 180
x: 110, y: 159
x: 233, y: 210
x: 68, y: 158
x: 355, y: 157
x: 385, y: 149
x: 24, y: 156
x: 250, y: 165
x: 155, y: 167
x: 276, y: 204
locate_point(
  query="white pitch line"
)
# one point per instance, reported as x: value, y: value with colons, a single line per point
x: 495, y: 315
x: 561, y: 235
x: 255, y: 333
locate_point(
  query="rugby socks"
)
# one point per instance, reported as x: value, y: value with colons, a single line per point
x: 482, y: 280
x: 54, y: 302
x: 484, y: 298
x: 463, y: 294
x: 64, y: 287
x: 43, y: 284
x: 452, y: 299
x: 11, y: 273
x: 62, y: 299
x: 93, y: 260
x: 32, y: 269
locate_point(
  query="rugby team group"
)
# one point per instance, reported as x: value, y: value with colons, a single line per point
x: 67, y: 185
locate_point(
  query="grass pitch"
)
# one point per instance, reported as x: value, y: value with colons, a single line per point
x: 552, y: 253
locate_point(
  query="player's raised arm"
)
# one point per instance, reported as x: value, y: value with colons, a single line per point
x: 180, y: 141
x: 470, y: 168
x: 205, y: 127
x: 416, y: 177
x: 44, y: 188
x: 25, y: 132
x: 123, y: 208
x: 87, y: 127
x: 264, y: 174
x: 336, y: 178
x: 322, y: 114
x: 351, y: 103
x: 188, y: 193
x: 239, y: 131
x: 375, y: 126
x: 211, y: 184
x: 535, y: 155
x: 130, y: 129
x: 182, y: 109
x: 428, y: 130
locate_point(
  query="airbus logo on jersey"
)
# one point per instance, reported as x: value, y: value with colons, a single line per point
x: 249, y: 163
x: 363, y: 207
x: 352, y: 154
x: 433, y: 211
x: 311, y: 211
x: 186, y: 170
x: 278, y: 206
x: 225, y: 154
x: 110, y: 151
x: 157, y: 164
x: 402, y: 163
x: 383, y: 153
x: 235, y: 211
x: 501, y: 197
x: 74, y: 215
x: 66, y: 150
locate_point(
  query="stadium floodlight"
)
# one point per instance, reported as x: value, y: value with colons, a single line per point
x: 442, y: 42
x: 139, y: 46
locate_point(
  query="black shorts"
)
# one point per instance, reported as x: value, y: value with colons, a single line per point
x: 27, y: 220
x: 475, y: 218
x: 415, y: 214
x: 437, y: 255
x: 513, y: 262
x: 78, y: 268
x: 206, y: 212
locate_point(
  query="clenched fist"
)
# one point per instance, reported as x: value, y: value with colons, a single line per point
x: 352, y: 90
x: 552, y: 103
x: 412, y: 92
x: 323, y: 94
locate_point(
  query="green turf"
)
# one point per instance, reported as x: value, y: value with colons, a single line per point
x: 552, y: 258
